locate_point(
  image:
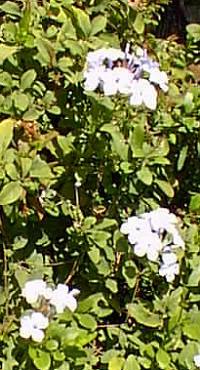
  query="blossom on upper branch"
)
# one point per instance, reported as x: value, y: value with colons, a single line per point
x: 135, y: 75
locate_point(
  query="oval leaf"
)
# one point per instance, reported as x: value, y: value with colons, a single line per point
x: 165, y: 187
x: 131, y: 363
x: 6, y: 133
x: 6, y: 51
x: 27, y: 79
x: 143, y: 316
x: 10, y: 193
x: 43, y: 361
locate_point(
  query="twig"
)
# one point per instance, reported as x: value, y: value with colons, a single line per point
x: 72, y: 272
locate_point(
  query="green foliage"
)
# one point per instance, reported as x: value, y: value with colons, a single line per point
x: 54, y: 137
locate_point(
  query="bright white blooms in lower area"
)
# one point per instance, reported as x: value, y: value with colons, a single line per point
x: 136, y: 75
x: 197, y: 360
x: 33, y: 325
x: 156, y: 235
x: 37, y: 293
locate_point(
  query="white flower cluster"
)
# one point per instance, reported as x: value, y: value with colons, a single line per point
x: 38, y: 294
x: 135, y: 75
x: 155, y: 234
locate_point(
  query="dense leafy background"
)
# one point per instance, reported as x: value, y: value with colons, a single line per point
x: 129, y: 160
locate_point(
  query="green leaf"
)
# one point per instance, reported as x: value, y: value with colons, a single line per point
x: 194, y: 30
x: 129, y: 272
x: 58, y: 356
x: 144, y: 316
x: 64, y: 63
x: 165, y: 187
x: 186, y: 357
x: 194, y: 277
x: 21, y: 276
x: 131, y: 363
x: 145, y: 175
x: 98, y: 24
x: 6, y: 133
x: 27, y: 79
x: 10, y: 7
x: 116, y: 363
x: 195, y: 202
x: 54, y: 110
x: 31, y: 114
x: 66, y: 143
x: 192, y: 330
x: 106, y: 223
x: 111, y: 284
x: 10, y: 193
x: 25, y: 166
x: 6, y: 79
x: 64, y: 366
x: 182, y: 157
x: 19, y: 242
x: 42, y: 361
x: 162, y: 149
x: 45, y: 52
x: 94, y: 254
x: 21, y: 101
x: 6, y: 51
x: 136, y: 141
x: 162, y: 358
x: 11, y: 171
x: 100, y: 238
x: 82, y: 21
x: 40, y: 169
x: 52, y: 345
x: 118, y: 141
x: 87, y: 321
x: 138, y: 24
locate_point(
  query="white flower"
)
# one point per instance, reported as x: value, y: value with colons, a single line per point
x: 169, y: 268
x: 98, y: 57
x: 143, y: 92
x: 48, y: 293
x: 135, y: 225
x: 93, y: 78
x: 95, y: 58
x: 124, y: 79
x: 108, y: 82
x: 148, y: 244
x: 177, y: 239
x: 197, y: 360
x: 160, y: 78
x: 161, y: 219
x: 141, y: 236
x: 32, y: 326
x: 114, y: 54
x: 62, y: 298
x: 33, y: 289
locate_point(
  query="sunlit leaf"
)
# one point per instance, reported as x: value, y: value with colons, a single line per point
x: 10, y: 193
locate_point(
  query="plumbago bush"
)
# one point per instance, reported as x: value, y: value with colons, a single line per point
x: 99, y: 188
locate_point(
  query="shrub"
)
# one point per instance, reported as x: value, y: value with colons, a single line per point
x: 75, y: 166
